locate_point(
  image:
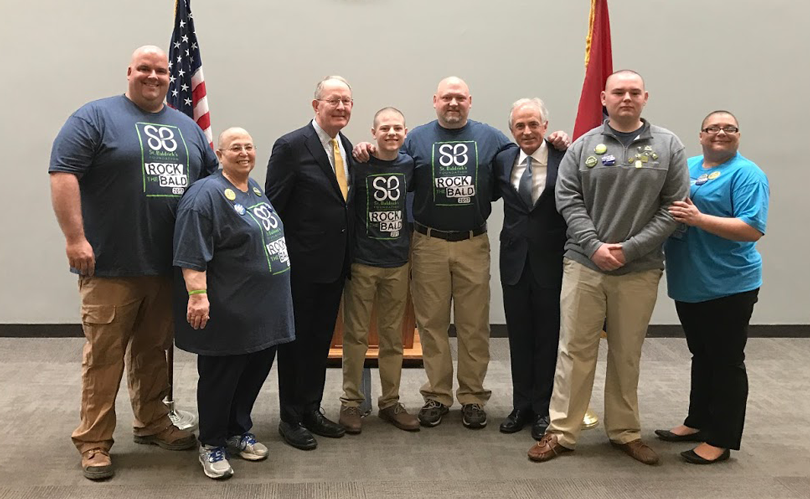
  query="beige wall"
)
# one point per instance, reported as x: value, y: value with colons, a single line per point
x: 263, y: 58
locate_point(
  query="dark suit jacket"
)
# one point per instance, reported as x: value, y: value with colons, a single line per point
x: 317, y: 221
x: 537, y: 233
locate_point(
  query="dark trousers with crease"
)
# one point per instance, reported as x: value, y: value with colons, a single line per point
x: 716, y: 333
x: 533, y: 325
x: 226, y: 391
x: 302, y: 362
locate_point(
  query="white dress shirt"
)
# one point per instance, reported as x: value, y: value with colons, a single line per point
x: 327, y: 146
x: 539, y: 170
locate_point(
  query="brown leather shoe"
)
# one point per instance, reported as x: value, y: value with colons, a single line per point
x: 638, y: 450
x: 350, y: 419
x: 398, y: 416
x: 96, y: 464
x: 172, y: 438
x: 547, y: 448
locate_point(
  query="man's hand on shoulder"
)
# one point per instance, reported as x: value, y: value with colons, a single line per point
x: 609, y: 257
x: 363, y: 151
x: 80, y: 256
x: 560, y: 140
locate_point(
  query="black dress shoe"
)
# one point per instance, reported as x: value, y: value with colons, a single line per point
x: 692, y: 457
x: 318, y: 424
x: 297, y: 436
x: 539, y: 427
x: 516, y: 420
x: 668, y: 436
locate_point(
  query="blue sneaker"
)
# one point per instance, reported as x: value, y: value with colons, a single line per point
x: 215, y: 463
x: 247, y: 447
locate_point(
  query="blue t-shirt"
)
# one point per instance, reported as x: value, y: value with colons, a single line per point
x: 382, y: 238
x: 133, y: 166
x: 702, y: 266
x: 237, y: 238
x: 453, y: 174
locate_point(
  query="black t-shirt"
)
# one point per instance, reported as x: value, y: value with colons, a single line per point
x: 382, y: 238
x: 133, y: 166
x: 237, y: 238
x: 626, y: 138
x: 453, y: 174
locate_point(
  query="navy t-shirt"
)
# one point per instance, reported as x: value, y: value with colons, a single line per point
x: 133, y: 166
x: 237, y: 238
x: 382, y: 238
x: 453, y: 175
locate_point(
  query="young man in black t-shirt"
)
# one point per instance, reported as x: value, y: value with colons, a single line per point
x: 379, y: 273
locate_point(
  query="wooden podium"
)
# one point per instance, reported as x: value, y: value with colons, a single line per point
x: 412, y: 348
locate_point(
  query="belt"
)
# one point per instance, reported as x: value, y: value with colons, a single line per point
x: 450, y: 235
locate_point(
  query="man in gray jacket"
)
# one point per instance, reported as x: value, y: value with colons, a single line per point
x: 613, y: 190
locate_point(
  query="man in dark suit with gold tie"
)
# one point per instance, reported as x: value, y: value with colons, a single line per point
x: 308, y: 178
x: 531, y: 263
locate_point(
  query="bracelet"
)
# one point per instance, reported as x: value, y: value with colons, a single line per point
x: 197, y: 292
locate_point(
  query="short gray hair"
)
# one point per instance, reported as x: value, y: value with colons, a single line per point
x: 534, y: 102
x: 319, y: 86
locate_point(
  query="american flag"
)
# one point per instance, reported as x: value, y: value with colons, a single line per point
x: 186, y: 81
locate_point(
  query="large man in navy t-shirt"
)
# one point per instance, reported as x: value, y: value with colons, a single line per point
x: 118, y: 169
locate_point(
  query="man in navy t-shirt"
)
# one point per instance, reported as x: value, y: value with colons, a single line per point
x: 379, y: 273
x: 118, y: 169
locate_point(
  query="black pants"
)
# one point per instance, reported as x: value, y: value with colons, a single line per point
x: 533, y: 325
x: 226, y: 391
x: 302, y: 363
x: 716, y: 333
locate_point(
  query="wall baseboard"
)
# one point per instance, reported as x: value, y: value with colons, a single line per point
x: 497, y: 331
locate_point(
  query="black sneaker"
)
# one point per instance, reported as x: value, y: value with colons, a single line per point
x: 431, y: 413
x: 473, y: 416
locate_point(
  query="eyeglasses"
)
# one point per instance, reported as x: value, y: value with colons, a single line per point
x: 714, y: 129
x: 237, y: 149
x: 336, y: 102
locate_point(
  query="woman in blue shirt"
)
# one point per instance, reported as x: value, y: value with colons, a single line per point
x: 233, y: 305
x: 714, y: 273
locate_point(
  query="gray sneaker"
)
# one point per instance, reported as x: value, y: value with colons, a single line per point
x: 247, y: 447
x: 215, y: 463
x: 473, y: 416
x: 431, y: 413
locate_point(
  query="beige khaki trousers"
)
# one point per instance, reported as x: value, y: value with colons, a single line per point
x: 444, y: 274
x: 588, y: 298
x: 388, y: 287
x: 126, y: 321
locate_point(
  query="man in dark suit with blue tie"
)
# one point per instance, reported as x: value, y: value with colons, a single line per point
x: 308, y: 179
x: 531, y: 263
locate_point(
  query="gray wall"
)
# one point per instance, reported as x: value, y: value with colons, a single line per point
x: 262, y: 59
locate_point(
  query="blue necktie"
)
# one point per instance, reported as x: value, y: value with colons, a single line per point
x: 525, y: 184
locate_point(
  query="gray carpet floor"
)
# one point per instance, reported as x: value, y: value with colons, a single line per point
x: 39, y: 399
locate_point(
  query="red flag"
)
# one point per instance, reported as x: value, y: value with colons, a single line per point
x: 598, y: 66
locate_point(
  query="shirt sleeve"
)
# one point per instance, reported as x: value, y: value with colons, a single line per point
x: 750, y: 197
x: 571, y: 202
x: 194, y: 233
x: 75, y: 146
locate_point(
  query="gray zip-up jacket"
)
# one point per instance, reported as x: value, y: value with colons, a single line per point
x: 609, y: 193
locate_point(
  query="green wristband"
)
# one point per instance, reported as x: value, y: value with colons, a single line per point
x: 197, y: 292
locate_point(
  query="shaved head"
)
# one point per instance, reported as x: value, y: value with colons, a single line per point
x: 147, y: 49
x: 452, y: 102
x: 227, y: 136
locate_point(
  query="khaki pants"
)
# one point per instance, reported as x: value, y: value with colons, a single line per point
x: 588, y: 297
x: 389, y: 288
x: 124, y: 318
x: 457, y: 272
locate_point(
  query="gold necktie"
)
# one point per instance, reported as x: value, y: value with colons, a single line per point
x: 340, y: 173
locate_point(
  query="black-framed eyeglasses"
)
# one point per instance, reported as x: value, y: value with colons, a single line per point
x: 337, y: 102
x: 714, y: 129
